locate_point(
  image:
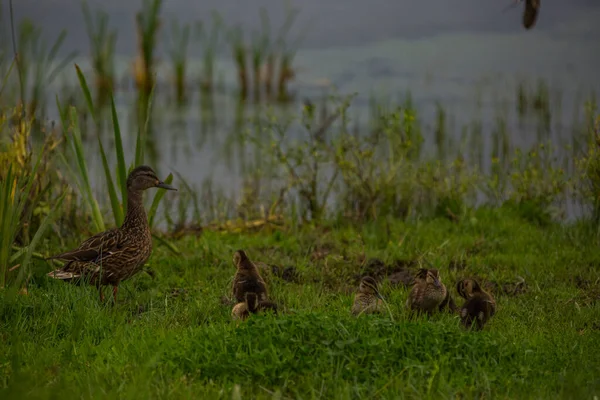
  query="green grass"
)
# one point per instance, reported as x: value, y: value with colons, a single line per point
x: 60, y: 342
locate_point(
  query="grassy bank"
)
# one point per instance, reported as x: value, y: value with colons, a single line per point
x: 172, y: 336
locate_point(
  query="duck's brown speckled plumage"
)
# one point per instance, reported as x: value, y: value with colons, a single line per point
x: 247, y: 278
x: 479, y: 306
x: 367, y: 299
x: 115, y: 255
x: 428, y: 293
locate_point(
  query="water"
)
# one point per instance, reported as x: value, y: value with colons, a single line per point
x: 468, y: 55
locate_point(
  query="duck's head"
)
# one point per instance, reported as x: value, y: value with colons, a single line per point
x: 467, y: 287
x: 368, y: 285
x: 239, y: 259
x: 144, y: 177
x: 430, y: 276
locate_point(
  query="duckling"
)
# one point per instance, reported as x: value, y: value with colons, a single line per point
x: 367, y: 299
x: 247, y: 278
x: 242, y: 310
x: 251, y: 305
x: 428, y: 293
x: 479, y: 306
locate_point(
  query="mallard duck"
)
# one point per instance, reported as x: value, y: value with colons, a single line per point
x: 115, y: 255
x: 479, y: 306
x: 428, y: 293
x: 247, y: 278
x: 367, y: 299
x: 251, y: 305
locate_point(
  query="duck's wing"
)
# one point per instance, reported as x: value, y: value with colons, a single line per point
x: 530, y: 14
x: 95, y: 248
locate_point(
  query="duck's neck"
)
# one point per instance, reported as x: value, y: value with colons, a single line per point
x: 135, y: 217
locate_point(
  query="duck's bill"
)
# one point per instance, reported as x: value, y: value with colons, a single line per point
x: 379, y: 296
x: 163, y: 185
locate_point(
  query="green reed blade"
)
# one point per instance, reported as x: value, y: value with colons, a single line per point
x: 112, y: 193
x: 140, y: 144
x: 12, y: 64
x: 121, y: 168
x: 80, y: 158
x: 86, y: 92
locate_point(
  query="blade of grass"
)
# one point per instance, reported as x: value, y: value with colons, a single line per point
x: 12, y: 64
x: 140, y: 145
x: 121, y: 169
x: 86, y: 92
x: 80, y: 158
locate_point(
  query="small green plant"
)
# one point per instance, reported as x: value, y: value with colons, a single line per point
x: 16, y: 187
x: 535, y: 180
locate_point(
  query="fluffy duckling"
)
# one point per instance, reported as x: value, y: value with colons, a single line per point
x: 367, y: 299
x: 247, y: 278
x: 428, y: 293
x: 251, y: 305
x: 479, y: 306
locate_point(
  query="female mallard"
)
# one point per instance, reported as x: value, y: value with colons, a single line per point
x: 479, y: 305
x: 115, y: 255
x: 367, y: 300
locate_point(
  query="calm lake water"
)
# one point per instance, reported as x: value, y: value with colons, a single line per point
x: 467, y: 55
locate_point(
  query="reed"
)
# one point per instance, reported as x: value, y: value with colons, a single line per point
x: 178, y: 48
x: 236, y: 39
x: 209, y: 41
x: 102, y: 42
x: 286, y: 54
x: 147, y: 27
x: 260, y: 52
